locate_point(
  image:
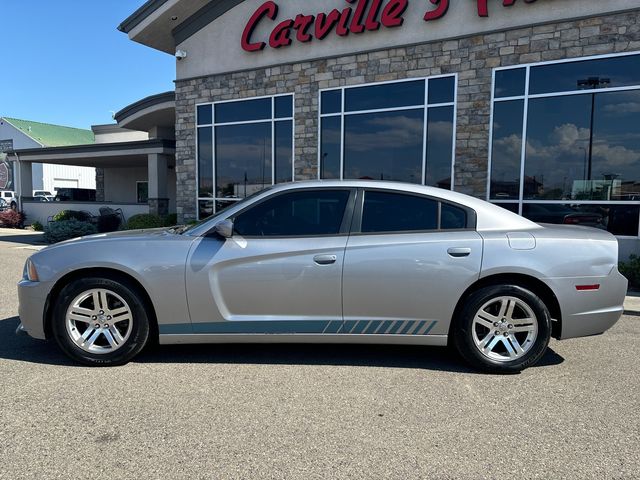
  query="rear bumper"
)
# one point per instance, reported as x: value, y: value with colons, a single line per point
x: 32, y: 297
x: 590, y: 312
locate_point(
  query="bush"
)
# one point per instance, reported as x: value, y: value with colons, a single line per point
x: 631, y: 270
x: 65, y: 229
x: 171, y: 220
x: 108, y: 223
x: 37, y: 226
x: 12, y: 219
x: 71, y: 215
x: 145, y: 220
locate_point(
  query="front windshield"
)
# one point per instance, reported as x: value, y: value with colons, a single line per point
x: 188, y: 228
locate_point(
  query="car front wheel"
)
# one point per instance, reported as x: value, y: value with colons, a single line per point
x: 502, y: 329
x: 100, y: 321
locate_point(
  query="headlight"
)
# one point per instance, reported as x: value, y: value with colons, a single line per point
x: 30, y: 273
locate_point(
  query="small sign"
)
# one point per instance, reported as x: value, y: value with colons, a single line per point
x: 6, y: 145
x: 5, y: 178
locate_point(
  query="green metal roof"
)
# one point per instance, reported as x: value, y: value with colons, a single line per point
x: 52, y: 135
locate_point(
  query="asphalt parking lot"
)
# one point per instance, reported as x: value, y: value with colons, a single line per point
x: 314, y: 412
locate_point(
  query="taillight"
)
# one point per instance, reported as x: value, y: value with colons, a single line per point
x: 584, y: 288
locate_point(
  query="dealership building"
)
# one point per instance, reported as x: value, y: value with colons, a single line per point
x: 533, y: 105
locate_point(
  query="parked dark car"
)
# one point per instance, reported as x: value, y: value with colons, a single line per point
x: 75, y: 195
x: 561, y: 214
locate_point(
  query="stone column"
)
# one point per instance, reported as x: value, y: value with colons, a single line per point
x: 24, y: 183
x: 158, y: 192
x: 100, y: 184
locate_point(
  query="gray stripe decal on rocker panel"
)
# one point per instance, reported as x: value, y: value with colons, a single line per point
x: 373, y: 327
x: 396, y: 327
x: 406, y: 327
x: 362, y: 324
x: 415, y: 327
x: 426, y: 332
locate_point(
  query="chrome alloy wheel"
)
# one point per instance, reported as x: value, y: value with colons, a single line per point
x: 99, y: 321
x: 504, y: 329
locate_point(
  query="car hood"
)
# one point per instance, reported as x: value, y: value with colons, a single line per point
x: 142, y: 235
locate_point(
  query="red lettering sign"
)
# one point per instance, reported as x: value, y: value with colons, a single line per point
x: 268, y: 9
x: 361, y: 16
x: 441, y: 11
x: 368, y: 15
x: 392, y: 15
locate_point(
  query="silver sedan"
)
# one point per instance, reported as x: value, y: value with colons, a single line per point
x: 331, y: 262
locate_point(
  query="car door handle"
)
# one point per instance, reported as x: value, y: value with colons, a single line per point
x: 459, y: 252
x: 325, y: 259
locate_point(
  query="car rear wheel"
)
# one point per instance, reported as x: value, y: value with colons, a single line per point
x: 100, y: 321
x: 502, y: 329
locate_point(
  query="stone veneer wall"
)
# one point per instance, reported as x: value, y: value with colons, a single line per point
x: 99, y: 184
x: 473, y: 58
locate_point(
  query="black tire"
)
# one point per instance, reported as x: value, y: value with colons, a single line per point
x: 463, y: 339
x: 138, y: 336
x: 14, y: 206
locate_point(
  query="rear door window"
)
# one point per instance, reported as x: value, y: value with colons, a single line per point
x: 397, y: 212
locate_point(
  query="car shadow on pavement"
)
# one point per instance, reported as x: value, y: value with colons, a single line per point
x: 26, y: 239
x: 26, y: 349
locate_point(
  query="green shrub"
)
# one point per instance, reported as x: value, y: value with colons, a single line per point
x: 71, y: 215
x: 171, y: 220
x: 145, y: 220
x: 631, y: 270
x: 11, y: 219
x: 37, y: 226
x: 62, y: 230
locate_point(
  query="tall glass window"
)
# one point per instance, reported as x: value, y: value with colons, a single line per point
x: 565, y: 144
x: 402, y: 131
x: 244, y: 146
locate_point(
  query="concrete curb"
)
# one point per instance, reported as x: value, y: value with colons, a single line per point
x: 632, y: 304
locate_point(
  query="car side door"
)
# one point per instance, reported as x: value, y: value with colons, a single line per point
x: 409, y: 258
x: 280, y: 272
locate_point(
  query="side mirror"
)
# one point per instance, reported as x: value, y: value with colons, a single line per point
x: 224, y: 228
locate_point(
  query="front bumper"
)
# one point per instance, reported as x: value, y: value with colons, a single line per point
x: 32, y: 297
x: 591, y: 312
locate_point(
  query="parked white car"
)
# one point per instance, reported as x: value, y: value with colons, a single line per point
x: 10, y: 197
x: 46, y: 194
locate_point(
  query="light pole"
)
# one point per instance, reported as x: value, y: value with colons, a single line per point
x: 592, y: 83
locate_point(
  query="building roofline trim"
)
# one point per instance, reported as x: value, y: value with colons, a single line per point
x: 137, y: 17
x: 109, y: 128
x: 97, y: 147
x: 143, y: 104
x: 203, y: 17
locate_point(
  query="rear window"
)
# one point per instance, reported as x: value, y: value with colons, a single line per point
x: 396, y: 212
x: 452, y: 217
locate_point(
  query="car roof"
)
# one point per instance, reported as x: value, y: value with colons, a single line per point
x: 490, y: 217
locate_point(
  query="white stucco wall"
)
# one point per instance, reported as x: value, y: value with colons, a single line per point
x: 120, y: 183
x: 121, y: 135
x: 216, y: 48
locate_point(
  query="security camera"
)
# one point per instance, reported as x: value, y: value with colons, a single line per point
x: 180, y: 54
